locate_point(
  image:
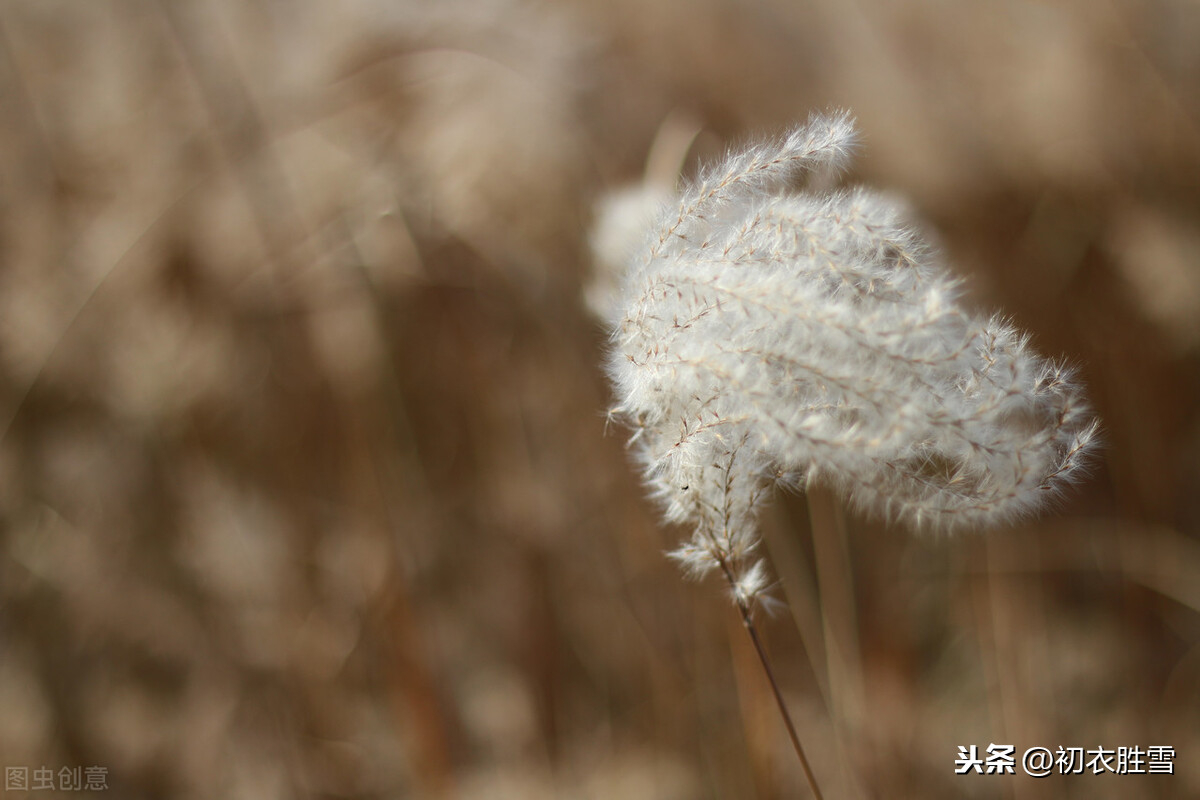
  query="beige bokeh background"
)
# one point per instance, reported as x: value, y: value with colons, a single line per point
x: 305, y: 485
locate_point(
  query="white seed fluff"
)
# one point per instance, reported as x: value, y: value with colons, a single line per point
x: 765, y: 334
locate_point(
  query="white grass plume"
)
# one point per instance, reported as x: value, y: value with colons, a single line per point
x: 765, y: 334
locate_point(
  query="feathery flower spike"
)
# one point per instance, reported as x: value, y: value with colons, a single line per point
x: 763, y: 335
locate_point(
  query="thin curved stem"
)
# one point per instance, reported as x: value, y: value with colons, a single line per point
x: 752, y: 629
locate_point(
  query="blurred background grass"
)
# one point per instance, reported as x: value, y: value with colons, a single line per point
x: 305, y: 489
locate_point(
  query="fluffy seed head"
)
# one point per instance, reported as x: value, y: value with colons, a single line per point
x: 760, y: 332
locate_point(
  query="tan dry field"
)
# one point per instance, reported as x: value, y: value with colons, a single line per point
x: 305, y: 483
